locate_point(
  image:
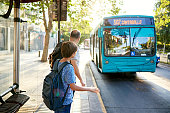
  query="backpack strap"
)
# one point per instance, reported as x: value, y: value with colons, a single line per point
x: 58, y: 69
x: 61, y: 66
x: 65, y: 94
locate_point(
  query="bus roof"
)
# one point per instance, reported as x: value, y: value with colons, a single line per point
x: 128, y: 16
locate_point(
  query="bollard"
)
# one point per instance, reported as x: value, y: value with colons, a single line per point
x: 38, y: 53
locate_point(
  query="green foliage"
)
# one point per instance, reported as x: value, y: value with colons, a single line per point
x: 162, y: 20
x: 83, y: 37
x: 5, y: 1
x: 32, y: 12
x: 77, y: 19
x: 115, y: 10
x: 4, y: 5
x: 161, y: 46
x: 80, y: 15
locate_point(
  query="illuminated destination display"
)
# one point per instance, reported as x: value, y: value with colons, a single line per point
x: 128, y: 21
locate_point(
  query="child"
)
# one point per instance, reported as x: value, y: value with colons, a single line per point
x: 68, y: 51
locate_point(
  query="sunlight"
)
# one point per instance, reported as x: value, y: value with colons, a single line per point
x: 100, y: 9
x: 160, y: 81
x: 130, y: 7
x: 138, y: 7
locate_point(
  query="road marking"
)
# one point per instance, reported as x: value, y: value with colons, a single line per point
x: 98, y: 94
x: 162, y: 82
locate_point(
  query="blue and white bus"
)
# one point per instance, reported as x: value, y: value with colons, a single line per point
x: 125, y: 43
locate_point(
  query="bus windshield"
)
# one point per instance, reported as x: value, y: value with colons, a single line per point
x: 129, y: 42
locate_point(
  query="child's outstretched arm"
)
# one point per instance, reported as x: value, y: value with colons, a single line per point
x: 74, y: 87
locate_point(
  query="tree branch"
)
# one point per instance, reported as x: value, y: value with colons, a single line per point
x: 50, y: 16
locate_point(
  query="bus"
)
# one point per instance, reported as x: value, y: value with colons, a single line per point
x: 125, y: 43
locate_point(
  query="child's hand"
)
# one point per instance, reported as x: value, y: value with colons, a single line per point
x: 95, y: 90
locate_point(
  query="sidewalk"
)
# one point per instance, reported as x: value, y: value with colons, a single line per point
x: 32, y: 82
x: 163, y: 58
x: 86, y: 102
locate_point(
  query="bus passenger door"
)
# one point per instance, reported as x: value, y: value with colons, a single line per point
x: 100, y: 48
x: 93, y: 38
x: 100, y: 52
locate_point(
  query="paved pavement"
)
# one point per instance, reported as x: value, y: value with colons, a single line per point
x: 163, y: 58
x: 31, y: 80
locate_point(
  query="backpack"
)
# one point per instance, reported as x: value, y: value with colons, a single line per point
x: 53, y: 93
x: 56, y: 54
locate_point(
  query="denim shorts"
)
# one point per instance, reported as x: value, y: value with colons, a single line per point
x: 65, y: 109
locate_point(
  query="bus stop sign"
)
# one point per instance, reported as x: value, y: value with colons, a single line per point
x: 63, y: 9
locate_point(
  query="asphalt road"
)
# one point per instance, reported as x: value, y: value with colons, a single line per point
x: 142, y: 92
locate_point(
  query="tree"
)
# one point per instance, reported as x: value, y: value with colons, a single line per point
x: 80, y: 16
x: 48, y: 26
x: 39, y: 9
x: 77, y: 19
x: 162, y: 21
x: 4, y: 6
x: 83, y: 13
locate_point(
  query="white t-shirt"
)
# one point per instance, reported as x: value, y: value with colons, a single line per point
x: 77, y: 57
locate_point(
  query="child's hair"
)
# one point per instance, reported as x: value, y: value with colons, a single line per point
x: 68, y: 48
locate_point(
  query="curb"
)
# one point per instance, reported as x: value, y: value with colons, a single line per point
x: 98, y: 94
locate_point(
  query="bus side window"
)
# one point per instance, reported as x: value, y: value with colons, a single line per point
x: 96, y: 36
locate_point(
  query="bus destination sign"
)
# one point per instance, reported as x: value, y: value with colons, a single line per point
x: 128, y: 21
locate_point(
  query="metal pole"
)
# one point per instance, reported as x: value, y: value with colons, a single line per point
x: 59, y: 18
x: 16, y: 64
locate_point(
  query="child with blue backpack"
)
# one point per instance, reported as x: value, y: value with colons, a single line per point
x: 68, y: 51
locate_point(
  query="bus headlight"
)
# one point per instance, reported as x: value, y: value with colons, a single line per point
x: 106, y: 62
x: 152, y: 61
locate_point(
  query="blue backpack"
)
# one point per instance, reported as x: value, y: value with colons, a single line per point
x: 53, y: 92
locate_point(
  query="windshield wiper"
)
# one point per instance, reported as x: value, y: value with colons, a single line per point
x: 135, y: 35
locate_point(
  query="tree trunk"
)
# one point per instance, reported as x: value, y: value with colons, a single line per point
x: 45, y: 50
x: 164, y: 47
x: 47, y: 29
